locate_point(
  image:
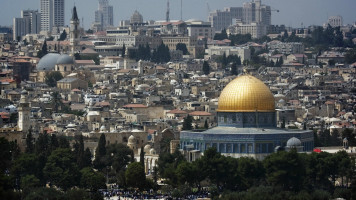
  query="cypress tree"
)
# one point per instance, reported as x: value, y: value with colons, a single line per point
x: 283, y: 125
x: 187, y: 123
x: 206, y: 126
x: 79, y: 151
x: 44, y: 48
x: 142, y: 157
x: 87, y: 158
x: 206, y: 68
x: 100, y: 152
x: 234, y: 69
x: 53, y: 142
x: 29, y: 142
x: 123, y: 50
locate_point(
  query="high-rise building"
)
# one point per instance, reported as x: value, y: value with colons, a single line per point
x: 335, y: 21
x: 52, y: 14
x: 35, y: 20
x: 136, y: 18
x: 30, y: 22
x: 255, y: 12
x: 251, y: 12
x: 104, y: 15
x: 20, y: 27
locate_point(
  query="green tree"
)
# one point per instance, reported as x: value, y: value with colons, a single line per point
x: 63, y: 142
x: 187, y: 123
x: 283, y: 125
x: 119, y: 156
x: 183, y: 48
x: 91, y: 180
x: 44, y: 48
x: 87, y: 158
x: 100, y: 153
x: 77, y: 194
x: 53, y: 143
x: 27, y: 164
x: 63, y: 36
x: 206, y: 68
x: 285, y: 169
x: 142, y: 157
x: 43, y: 51
x: 42, y: 144
x: 45, y: 193
x: 350, y: 56
x: 251, y: 172
x: 28, y: 183
x: 167, y: 165
x: 189, y: 173
x: 51, y: 78
x: 135, y: 175
x: 161, y: 54
x: 79, y: 151
x: 234, y: 69
x: 61, y: 169
x: 29, y: 142
x: 221, y: 36
x: 123, y: 50
x: 56, y: 101
x: 206, y: 125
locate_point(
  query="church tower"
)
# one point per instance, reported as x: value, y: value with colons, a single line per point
x: 74, y: 31
x: 23, y: 123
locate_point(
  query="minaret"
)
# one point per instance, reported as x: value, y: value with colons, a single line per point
x: 23, y: 123
x: 74, y: 31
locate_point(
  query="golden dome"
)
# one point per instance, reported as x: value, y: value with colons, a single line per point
x: 246, y: 93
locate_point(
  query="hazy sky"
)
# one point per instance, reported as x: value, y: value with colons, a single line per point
x: 292, y: 12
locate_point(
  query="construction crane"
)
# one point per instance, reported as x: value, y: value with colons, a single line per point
x: 208, y: 8
x: 167, y: 12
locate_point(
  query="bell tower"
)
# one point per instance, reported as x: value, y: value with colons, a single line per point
x: 74, y: 31
x: 23, y: 123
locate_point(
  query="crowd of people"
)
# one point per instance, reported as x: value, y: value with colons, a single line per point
x: 114, y: 193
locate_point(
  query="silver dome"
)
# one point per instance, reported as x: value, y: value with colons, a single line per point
x: 64, y: 60
x: 294, y: 142
x: 48, y: 62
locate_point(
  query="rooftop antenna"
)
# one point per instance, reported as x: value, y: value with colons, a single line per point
x: 167, y: 13
x: 181, y: 10
x: 83, y: 23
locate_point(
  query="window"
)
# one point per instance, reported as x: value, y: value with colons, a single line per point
x: 222, y: 148
x: 243, y: 148
x: 228, y: 148
x: 250, y: 150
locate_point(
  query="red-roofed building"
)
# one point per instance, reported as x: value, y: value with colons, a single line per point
x: 84, y: 62
x: 201, y: 116
x: 176, y: 114
x: 130, y: 106
x: 8, y: 83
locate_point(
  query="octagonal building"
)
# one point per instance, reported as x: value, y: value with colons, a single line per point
x: 246, y: 124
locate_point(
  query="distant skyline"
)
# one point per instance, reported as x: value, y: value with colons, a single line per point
x: 291, y: 12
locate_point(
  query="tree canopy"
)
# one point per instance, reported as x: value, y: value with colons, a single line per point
x: 51, y: 78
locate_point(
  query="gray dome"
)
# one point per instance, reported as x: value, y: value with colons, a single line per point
x: 294, y: 142
x: 24, y: 92
x: 65, y: 60
x: 48, y: 62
